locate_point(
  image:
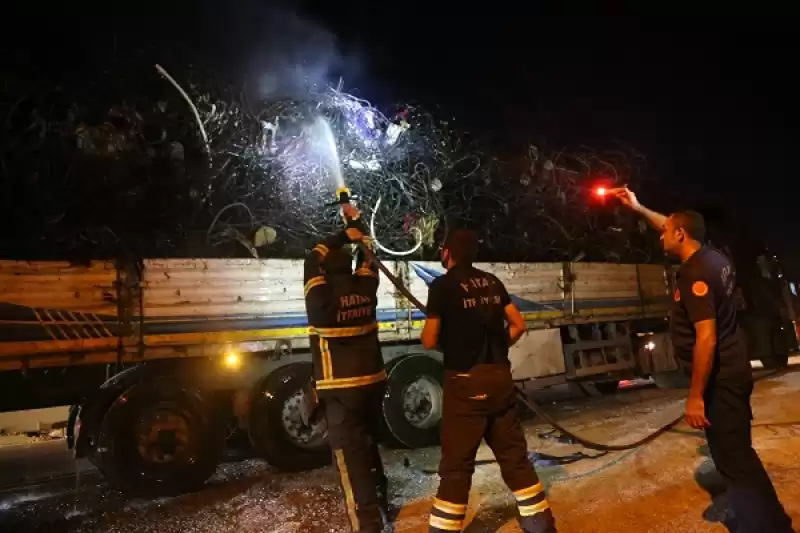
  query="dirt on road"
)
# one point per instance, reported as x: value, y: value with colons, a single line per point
x: 667, y: 486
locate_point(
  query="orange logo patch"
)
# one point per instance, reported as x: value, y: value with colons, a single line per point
x: 677, y: 295
x: 699, y: 288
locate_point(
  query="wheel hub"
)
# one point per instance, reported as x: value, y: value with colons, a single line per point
x: 304, y: 435
x: 164, y: 436
x: 422, y: 403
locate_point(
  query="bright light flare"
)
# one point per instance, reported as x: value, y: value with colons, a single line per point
x: 600, y: 191
x: 232, y: 359
x: 650, y: 346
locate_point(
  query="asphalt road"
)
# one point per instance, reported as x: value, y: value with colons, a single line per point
x: 34, y: 462
x: 667, y: 486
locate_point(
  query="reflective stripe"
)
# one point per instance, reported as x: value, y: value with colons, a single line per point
x: 354, y: 331
x: 346, y: 383
x: 321, y: 249
x: 536, y: 508
x: 313, y: 282
x: 325, y: 358
x: 445, y: 523
x: 449, y: 507
x: 348, y: 490
x: 364, y: 271
x: 530, y: 492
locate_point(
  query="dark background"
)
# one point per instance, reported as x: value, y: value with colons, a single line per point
x: 710, y: 101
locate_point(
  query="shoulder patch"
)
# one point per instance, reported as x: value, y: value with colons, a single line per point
x: 677, y: 295
x: 699, y: 288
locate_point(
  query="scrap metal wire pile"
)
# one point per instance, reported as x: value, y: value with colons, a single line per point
x: 139, y: 166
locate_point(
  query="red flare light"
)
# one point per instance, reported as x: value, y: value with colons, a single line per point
x: 600, y: 191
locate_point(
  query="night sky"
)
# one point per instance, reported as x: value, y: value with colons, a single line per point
x: 711, y: 102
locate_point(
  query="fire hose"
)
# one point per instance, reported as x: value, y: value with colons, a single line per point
x: 530, y: 404
x: 535, y: 407
x: 343, y: 196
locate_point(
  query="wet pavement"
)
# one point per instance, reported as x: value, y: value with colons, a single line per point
x: 658, y: 488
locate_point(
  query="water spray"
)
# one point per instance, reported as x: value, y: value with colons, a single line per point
x: 325, y: 146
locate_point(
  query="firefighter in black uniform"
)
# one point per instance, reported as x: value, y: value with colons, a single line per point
x: 706, y: 339
x: 348, y: 368
x: 466, y: 313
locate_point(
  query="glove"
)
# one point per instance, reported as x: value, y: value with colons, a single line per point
x: 311, y: 407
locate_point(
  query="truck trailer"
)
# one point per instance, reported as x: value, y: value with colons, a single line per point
x: 162, y: 360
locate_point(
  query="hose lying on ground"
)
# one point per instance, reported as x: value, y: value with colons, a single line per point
x: 535, y: 408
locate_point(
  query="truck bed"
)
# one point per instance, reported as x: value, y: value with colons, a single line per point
x: 57, y: 314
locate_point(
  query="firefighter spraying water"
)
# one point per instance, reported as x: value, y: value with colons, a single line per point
x: 349, y: 374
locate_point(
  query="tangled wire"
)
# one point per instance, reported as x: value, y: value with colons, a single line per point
x: 149, y: 165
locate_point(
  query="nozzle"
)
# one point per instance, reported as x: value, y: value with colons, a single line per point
x: 343, y: 195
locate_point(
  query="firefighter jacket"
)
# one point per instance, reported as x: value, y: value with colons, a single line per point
x: 341, y: 313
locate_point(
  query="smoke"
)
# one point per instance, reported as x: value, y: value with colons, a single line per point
x: 278, y: 51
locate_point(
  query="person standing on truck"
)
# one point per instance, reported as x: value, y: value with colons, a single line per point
x: 706, y: 338
x: 467, y: 312
x: 348, y: 366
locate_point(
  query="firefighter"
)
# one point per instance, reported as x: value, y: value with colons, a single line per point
x: 466, y: 314
x: 706, y: 339
x: 349, y: 374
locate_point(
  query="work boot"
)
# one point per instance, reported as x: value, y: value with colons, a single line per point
x: 371, y: 521
x: 540, y: 523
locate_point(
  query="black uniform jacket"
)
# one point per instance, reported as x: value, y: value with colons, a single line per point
x: 342, y: 318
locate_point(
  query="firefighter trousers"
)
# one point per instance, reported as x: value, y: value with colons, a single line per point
x: 353, y: 416
x: 750, y: 491
x: 481, y: 405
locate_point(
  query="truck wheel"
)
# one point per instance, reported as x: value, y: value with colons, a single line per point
x: 160, y: 438
x: 412, y: 404
x: 276, y: 428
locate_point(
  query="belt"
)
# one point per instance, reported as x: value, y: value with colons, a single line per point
x: 478, y: 369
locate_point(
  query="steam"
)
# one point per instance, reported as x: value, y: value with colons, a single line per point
x: 282, y: 53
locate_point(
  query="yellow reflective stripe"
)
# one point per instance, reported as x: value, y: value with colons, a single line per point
x: 449, y: 507
x: 346, y: 383
x: 321, y: 249
x: 354, y: 331
x: 313, y: 282
x: 531, y: 510
x: 530, y: 492
x: 348, y: 490
x: 445, y: 523
x: 325, y: 358
x: 364, y: 271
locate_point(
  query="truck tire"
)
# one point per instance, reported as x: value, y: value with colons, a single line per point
x: 412, y: 404
x: 276, y: 428
x: 160, y: 438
